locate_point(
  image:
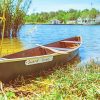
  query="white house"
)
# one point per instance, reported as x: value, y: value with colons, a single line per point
x: 86, y: 20
x: 71, y: 22
x: 97, y: 19
x: 89, y: 20
x: 55, y: 21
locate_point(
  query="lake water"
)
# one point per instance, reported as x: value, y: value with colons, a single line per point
x: 29, y: 35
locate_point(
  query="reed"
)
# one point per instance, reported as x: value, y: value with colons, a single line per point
x: 13, y: 12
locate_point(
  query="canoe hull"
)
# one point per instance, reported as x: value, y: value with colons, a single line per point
x: 12, y: 69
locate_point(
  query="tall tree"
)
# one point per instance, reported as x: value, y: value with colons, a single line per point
x: 15, y: 11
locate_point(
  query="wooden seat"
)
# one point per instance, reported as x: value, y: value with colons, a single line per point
x: 71, y: 42
x: 61, y: 49
x: 56, y: 49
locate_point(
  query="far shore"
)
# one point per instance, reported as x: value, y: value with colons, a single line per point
x: 56, y: 24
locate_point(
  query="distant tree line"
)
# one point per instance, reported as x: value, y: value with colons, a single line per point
x: 63, y: 16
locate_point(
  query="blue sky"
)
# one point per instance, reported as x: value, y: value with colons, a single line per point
x: 54, y: 5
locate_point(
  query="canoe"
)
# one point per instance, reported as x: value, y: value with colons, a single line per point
x: 39, y: 58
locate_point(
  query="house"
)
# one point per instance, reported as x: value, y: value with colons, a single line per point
x: 79, y: 20
x: 89, y: 20
x: 97, y: 19
x: 71, y: 22
x: 86, y: 20
x: 55, y: 21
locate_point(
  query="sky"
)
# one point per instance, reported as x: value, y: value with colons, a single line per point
x: 55, y: 5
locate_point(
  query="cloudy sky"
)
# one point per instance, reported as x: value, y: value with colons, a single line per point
x: 54, y: 5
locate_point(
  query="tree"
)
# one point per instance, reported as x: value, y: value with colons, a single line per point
x: 14, y: 15
x: 61, y: 15
x: 93, y: 13
x: 85, y: 13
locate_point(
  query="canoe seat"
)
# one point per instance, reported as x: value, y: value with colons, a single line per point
x: 56, y: 49
x: 77, y: 42
x: 60, y: 49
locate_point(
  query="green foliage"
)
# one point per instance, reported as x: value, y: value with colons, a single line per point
x: 61, y: 15
x: 93, y: 13
x: 14, y: 14
x: 10, y: 94
x: 85, y: 13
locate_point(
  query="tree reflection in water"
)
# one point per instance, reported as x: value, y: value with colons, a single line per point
x: 11, y: 46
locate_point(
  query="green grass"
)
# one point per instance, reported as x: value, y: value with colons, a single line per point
x: 62, y: 83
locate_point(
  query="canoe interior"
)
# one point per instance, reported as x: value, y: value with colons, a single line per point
x: 38, y: 51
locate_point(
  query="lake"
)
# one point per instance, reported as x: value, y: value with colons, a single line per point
x: 29, y: 35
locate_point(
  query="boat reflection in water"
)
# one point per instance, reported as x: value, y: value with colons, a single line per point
x: 10, y: 46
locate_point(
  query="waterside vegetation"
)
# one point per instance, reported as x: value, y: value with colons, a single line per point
x: 71, y: 83
x: 12, y: 13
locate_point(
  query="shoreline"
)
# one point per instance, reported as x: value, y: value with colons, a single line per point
x: 64, y: 24
x: 57, y: 83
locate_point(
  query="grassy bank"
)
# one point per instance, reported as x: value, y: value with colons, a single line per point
x: 66, y: 83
